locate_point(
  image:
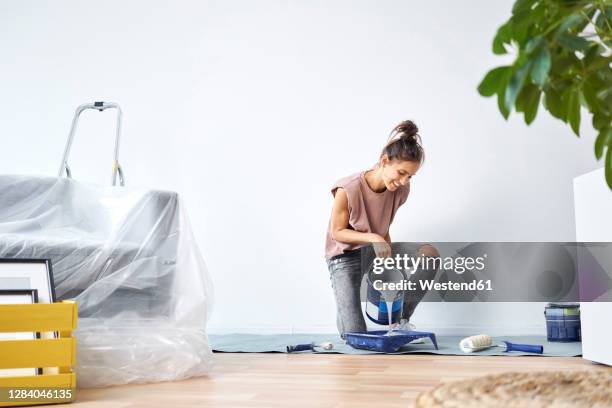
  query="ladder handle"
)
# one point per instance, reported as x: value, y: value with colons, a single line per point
x: 100, y: 106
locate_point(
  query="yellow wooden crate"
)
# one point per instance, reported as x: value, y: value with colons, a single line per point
x: 56, y: 356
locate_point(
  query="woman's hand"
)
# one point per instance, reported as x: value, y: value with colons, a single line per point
x: 381, y: 246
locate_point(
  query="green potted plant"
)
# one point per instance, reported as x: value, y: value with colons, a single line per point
x: 563, y: 52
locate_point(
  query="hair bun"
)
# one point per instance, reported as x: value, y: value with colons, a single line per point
x: 407, y: 128
x: 404, y: 143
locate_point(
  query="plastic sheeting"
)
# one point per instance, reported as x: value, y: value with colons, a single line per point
x: 128, y: 257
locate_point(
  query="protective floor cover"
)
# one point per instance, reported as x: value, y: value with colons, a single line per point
x: 128, y: 256
x: 448, y: 345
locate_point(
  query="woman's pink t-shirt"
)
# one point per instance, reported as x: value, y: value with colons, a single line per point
x: 369, y: 211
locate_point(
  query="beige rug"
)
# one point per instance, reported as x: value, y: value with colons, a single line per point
x: 533, y: 390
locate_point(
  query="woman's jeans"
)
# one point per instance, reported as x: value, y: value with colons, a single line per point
x: 346, y: 275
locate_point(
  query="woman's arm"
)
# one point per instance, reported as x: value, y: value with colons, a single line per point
x: 340, y: 222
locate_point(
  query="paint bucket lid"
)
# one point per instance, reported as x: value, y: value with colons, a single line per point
x: 557, y: 310
x: 563, y: 305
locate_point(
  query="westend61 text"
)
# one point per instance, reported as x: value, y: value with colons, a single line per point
x: 430, y: 285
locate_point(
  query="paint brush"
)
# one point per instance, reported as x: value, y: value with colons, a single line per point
x: 326, y: 345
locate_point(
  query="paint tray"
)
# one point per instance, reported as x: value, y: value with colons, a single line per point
x: 377, y: 341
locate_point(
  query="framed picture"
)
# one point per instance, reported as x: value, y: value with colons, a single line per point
x: 20, y: 297
x: 28, y: 274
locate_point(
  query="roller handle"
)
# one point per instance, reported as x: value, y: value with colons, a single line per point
x: 528, y: 348
x: 300, y: 347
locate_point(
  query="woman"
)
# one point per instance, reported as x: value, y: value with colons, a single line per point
x: 364, y: 206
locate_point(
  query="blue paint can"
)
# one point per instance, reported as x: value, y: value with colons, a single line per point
x: 562, y: 322
x: 380, y: 301
x: 376, y: 308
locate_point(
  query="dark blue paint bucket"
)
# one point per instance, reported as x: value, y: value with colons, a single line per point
x: 562, y: 322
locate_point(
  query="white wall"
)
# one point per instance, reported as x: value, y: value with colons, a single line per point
x: 252, y: 109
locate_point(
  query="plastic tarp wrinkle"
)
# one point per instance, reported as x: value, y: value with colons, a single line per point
x: 128, y: 256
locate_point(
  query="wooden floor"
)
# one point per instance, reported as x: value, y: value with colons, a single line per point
x: 318, y: 380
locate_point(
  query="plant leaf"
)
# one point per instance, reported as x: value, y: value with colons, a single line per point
x: 573, y: 110
x: 601, y: 22
x: 596, y: 63
x: 503, y: 36
x: 592, y: 53
x: 501, y: 97
x: 573, y: 42
x: 533, y: 43
x: 563, y: 64
x: 553, y: 101
x: 493, y: 81
x: 603, y: 139
x: 522, y: 6
x: 501, y: 92
x: 570, y: 22
x: 528, y: 102
x: 590, y: 97
x: 525, y: 22
x: 609, y: 167
x: 516, y: 84
x: 600, y: 121
x: 541, y: 66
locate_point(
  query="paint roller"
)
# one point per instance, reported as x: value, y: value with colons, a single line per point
x: 326, y: 345
x: 483, y: 341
